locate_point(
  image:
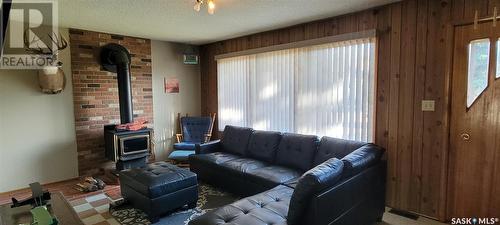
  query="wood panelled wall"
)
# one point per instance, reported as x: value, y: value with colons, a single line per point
x: 412, y: 66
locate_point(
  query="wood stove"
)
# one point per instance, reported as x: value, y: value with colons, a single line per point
x: 128, y: 149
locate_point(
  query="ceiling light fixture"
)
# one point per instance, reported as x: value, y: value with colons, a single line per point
x: 210, y: 6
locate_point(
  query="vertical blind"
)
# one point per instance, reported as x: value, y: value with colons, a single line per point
x: 326, y: 90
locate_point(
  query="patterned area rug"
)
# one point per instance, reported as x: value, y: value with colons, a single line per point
x: 96, y: 210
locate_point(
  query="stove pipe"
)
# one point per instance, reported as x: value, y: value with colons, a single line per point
x: 116, y: 58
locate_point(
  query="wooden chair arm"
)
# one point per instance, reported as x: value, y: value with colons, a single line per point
x: 208, y: 137
x: 178, y: 137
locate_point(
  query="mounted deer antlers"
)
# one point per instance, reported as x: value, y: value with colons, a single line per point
x: 51, y: 77
x: 58, y: 40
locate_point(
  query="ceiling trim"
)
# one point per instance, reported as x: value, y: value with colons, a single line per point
x: 300, y: 44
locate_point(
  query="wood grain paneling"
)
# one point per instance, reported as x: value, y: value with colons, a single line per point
x: 418, y: 115
x: 435, y: 133
x: 411, y: 67
x: 406, y: 109
x: 393, y: 98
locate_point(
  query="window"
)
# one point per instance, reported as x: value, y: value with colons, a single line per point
x: 324, y: 90
x: 477, y: 75
x: 498, y: 59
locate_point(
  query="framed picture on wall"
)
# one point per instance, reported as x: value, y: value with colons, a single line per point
x: 171, y: 85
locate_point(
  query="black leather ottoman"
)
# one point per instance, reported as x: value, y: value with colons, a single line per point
x: 159, y: 188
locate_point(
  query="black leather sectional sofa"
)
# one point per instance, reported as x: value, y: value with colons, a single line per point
x: 292, y: 179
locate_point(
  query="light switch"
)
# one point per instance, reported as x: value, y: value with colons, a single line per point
x: 428, y: 105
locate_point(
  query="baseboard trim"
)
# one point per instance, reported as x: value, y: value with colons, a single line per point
x: 406, y: 214
x: 44, y: 184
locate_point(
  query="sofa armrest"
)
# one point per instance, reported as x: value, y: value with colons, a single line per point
x: 359, y: 199
x: 313, y: 181
x: 208, y: 147
x: 361, y: 159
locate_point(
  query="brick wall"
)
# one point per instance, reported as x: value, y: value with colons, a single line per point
x: 95, y: 93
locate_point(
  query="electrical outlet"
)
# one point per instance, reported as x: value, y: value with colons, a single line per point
x: 428, y: 105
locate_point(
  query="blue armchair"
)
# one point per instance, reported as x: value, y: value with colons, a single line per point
x: 194, y: 130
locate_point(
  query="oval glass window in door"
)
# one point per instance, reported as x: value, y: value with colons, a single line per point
x: 477, y: 74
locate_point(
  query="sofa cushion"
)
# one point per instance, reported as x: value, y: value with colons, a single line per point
x: 215, y: 158
x: 235, y: 139
x: 263, y: 145
x: 270, y: 207
x: 335, y: 148
x: 274, y: 175
x: 361, y: 159
x: 244, y: 164
x: 317, y: 179
x: 292, y: 183
x: 158, y: 179
x: 297, y: 151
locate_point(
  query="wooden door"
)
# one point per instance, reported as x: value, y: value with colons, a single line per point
x: 474, y: 166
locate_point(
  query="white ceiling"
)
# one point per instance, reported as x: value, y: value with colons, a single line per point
x: 175, y: 20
